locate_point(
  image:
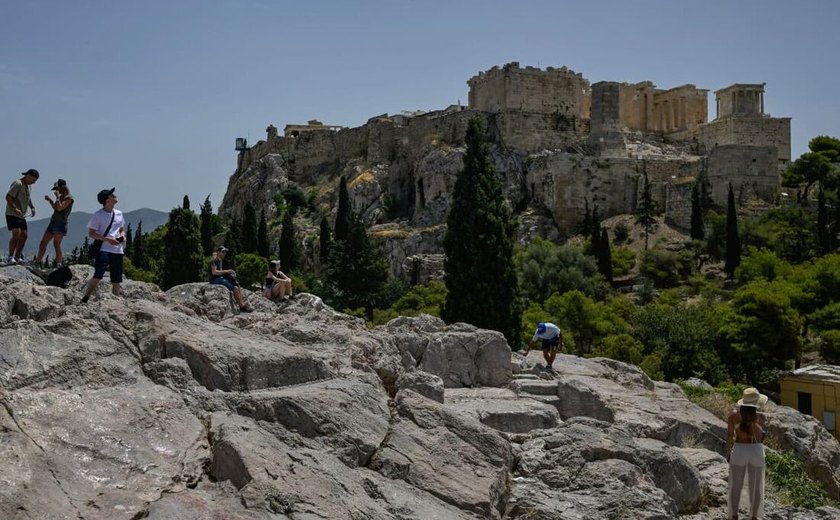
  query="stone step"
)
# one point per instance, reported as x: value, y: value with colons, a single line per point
x: 552, y: 400
x: 526, y: 376
x: 536, y: 386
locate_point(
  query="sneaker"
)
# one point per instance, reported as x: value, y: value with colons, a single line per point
x: 85, y: 298
x: 246, y: 309
x: 11, y: 261
x: 21, y: 261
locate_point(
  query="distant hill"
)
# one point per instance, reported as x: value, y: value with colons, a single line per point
x: 77, y: 230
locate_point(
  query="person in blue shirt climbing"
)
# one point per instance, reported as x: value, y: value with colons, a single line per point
x: 552, y: 341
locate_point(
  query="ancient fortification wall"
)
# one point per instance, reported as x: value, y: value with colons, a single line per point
x: 749, y: 131
x: 530, y: 89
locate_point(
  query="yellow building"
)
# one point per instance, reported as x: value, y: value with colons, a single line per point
x: 814, y: 390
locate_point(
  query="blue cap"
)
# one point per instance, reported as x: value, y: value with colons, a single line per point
x: 541, y: 328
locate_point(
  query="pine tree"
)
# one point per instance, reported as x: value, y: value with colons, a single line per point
x: 733, y: 242
x: 605, y: 256
x: 823, y: 232
x: 646, y: 211
x: 249, y: 230
x: 357, y: 268
x: 207, y: 227
x: 288, y: 244
x: 324, y: 241
x: 480, y: 276
x: 139, y: 254
x: 186, y: 204
x: 343, y: 214
x: 697, y: 232
x: 182, y: 257
x: 262, y: 237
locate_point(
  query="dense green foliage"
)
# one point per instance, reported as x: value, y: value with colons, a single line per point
x: 545, y: 268
x: 356, y: 269
x: 182, y: 255
x: 480, y: 277
x: 250, y: 270
x: 787, y: 474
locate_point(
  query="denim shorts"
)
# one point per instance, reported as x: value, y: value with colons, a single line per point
x: 56, y: 228
x: 112, y: 262
x: 222, y: 281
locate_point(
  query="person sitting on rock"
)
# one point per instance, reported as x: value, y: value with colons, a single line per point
x: 278, y: 286
x: 552, y: 341
x: 226, y: 278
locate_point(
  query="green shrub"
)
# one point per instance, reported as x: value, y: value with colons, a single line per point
x: 666, y: 268
x: 251, y: 270
x: 621, y: 233
x: 295, y: 197
x: 136, y: 274
x: 621, y: 347
x: 623, y: 260
x: 787, y: 474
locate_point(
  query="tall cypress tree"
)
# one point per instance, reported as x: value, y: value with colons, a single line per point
x: 182, y: 257
x: 480, y: 276
x: 288, y: 244
x: 262, y: 237
x: 823, y: 236
x: 343, y: 214
x: 595, y: 232
x: 733, y: 241
x: 139, y: 254
x: 233, y: 241
x: 697, y: 232
x: 357, y: 268
x: 129, y: 242
x: 249, y: 230
x: 207, y: 227
x: 605, y: 256
x: 646, y: 210
x: 186, y: 203
x: 324, y: 241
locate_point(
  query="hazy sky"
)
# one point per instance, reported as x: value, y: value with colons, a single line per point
x: 148, y: 96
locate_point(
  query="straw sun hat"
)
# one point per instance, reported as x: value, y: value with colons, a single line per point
x: 752, y: 397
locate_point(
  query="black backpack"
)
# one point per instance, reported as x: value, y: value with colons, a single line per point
x: 59, y: 277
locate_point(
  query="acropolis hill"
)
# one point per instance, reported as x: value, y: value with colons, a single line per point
x: 559, y: 143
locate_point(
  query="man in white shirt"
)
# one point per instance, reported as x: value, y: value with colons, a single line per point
x: 108, y: 226
x: 552, y: 341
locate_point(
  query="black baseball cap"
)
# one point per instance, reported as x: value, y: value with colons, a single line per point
x: 59, y: 182
x: 103, y: 195
x: 33, y: 172
x: 221, y: 249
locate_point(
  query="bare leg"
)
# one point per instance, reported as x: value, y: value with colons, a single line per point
x: 92, y: 285
x: 277, y: 291
x: 13, y: 241
x: 20, y: 243
x: 237, y: 295
x: 288, y: 285
x: 116, y: 289
x: 59, y: 255
x: 42, y: 247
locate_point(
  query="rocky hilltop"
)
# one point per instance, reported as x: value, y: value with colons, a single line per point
x: 167, y: 405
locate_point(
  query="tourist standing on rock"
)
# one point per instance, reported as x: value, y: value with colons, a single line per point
x: 57, y: 228
x: 278, y: 286
x: 746, y: 429
x: 18, y: 199
x: 552, y: 341
x: 107, y: 226
x: 226, y: 278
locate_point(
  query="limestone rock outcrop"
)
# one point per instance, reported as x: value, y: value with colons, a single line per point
x: 169, y: 405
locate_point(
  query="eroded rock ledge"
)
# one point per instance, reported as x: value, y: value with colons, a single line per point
x: 170, y: 406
